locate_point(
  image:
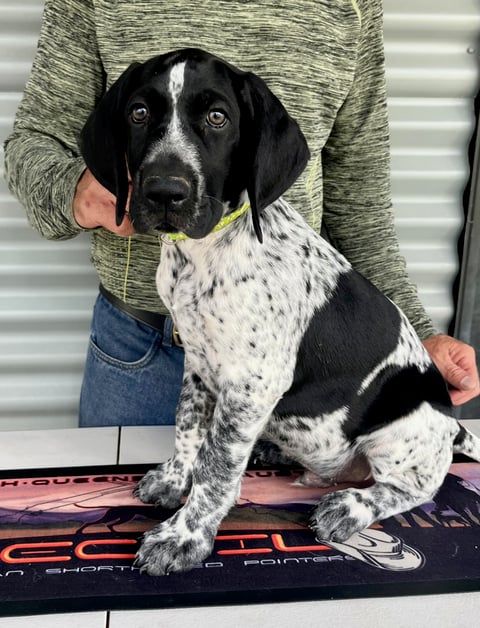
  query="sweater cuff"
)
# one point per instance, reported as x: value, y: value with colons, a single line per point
x: 65, y: 193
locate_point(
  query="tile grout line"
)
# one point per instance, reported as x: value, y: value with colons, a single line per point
x: 119, y: 444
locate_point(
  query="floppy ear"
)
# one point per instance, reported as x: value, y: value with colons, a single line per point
x: 103, y: 140
x: 277, y: 150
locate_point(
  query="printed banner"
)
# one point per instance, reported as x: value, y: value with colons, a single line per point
x: 68, y: 540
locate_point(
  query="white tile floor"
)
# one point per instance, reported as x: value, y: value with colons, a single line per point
x: 146, y: 445
x: 63, y: 620
x: 40, y: 449
x: 95, y: 446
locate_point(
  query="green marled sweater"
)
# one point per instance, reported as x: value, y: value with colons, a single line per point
x: 323, y: 58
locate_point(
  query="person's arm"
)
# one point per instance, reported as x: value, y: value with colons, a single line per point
x: 42, y: 163
x: 357, y: 198
x: 357, y: 204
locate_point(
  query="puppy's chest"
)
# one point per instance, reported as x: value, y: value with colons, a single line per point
x: 204, y: 299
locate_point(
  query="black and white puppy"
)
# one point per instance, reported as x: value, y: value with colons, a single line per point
x: 283, y: 339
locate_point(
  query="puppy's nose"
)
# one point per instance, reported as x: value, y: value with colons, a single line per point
x: 168, y: 191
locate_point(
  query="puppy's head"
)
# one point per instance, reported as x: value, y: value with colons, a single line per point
x: 194, y: 133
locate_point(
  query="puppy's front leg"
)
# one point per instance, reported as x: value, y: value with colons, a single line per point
x: 168, y: 483
x: 187, y: 538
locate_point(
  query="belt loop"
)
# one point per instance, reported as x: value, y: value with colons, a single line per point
x: 167, y: 332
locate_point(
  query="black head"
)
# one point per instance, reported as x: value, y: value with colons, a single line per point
x: 195, y: 134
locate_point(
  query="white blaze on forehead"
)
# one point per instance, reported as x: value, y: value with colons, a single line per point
x: 175, y: 88
x: 175, y: 84
x: 175, y: 140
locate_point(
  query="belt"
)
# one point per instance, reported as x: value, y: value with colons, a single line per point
x: 152, y: 319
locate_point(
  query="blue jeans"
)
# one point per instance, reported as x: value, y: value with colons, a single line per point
x: 133, y: 373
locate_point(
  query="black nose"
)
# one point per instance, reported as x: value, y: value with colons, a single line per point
x: 167, y: 191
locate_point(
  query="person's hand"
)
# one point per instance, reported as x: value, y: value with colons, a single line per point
x: 94, y: 206
x: 456, y: 362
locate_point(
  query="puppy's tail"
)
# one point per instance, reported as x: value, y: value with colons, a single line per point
x: 467, y: 444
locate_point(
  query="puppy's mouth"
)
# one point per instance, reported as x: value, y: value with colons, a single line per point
x: 154, y: 216
x: 148, y: 220
x: 167, y: 227
x: 195, y: 221
x: 170, y: 222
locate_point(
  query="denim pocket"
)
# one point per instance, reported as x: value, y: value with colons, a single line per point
x: 120, y: 340
x: 131, y: 376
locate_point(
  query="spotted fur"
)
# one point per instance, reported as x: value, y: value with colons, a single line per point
x: 283, y: 339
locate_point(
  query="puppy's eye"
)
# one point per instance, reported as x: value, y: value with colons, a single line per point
x: 139, y: 114
x: 217, y: 119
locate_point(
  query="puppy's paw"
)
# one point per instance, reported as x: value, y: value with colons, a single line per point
x: 171, y: 548
x: 162, y: 487
x: 340, y: 514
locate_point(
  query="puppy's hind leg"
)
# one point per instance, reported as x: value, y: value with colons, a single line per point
x: 409, y: 460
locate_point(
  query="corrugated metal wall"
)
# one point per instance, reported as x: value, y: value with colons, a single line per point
x: 432, y: 78
x: 47, y: 288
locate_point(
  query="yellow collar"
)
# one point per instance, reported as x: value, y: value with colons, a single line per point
x: 226, y: 220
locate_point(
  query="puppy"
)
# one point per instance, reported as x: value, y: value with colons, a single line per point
x: 283, y: 339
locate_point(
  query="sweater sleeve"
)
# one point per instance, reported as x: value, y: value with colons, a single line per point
x: 357, y: 200
x: 42, y: 162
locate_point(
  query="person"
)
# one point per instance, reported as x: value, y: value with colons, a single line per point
x: 323, y: 59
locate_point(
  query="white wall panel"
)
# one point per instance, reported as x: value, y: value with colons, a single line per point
x: 47, y: 288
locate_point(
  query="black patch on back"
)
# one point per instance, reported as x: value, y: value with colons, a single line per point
x: 394, y: 393
x: 356, y: 329
x: 346, y: 339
